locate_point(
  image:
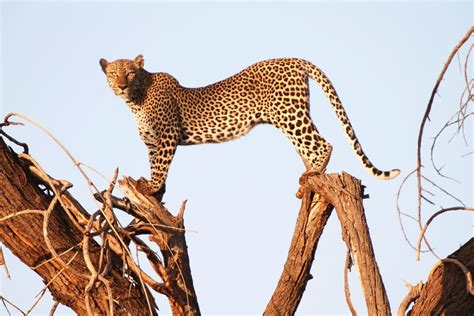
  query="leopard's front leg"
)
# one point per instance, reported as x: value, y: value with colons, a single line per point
x: 160, y: 157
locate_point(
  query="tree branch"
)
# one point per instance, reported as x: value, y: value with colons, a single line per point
x: 23, y: 235
x: 448, y: 290
x: 312, y: 218
x: 345, y: 193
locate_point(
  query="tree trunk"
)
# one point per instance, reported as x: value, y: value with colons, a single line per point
x: 24, y: 235
x: 345, y: 194
x: 312, y: 219
x: 447, y: 290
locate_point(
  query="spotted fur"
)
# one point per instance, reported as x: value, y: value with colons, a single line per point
x: 273, y: 91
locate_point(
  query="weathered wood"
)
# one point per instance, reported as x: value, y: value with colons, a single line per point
x: 23, y: 235
x: 168, y: 232
x: 312, y: 218
x: 345, y: 193
x: 445, y: 292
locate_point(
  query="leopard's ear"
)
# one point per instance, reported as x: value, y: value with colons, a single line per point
x: 139, y: 61
x: 103, y: 63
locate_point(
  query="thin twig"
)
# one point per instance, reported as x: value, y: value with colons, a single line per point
x: 43, y: 290
x: 45, y: 130
x: 5, y: 305
x: 13, y: 140
x: 12, y: 215
x: 152, y: 257
x: 347, y: 292
x: 432, y: 150
x: 53, y: 184
x: 48, y: 243
x: 4, y: 300
x: 53, y: 308
x: 413, y: 293
x: 158, y: 287
x: 400, y: 212
x: 444, y: 190
x: 100, y: 174
x: 51, y: 259
x: 423, y: 230
x: 3, y: 262
x: 427, y: 113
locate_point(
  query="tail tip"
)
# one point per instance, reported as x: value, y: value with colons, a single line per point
x: 391, y: 174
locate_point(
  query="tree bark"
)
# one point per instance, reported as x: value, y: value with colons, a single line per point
x: 447, y: 291
x: 312, y: 219
x: 168, y: 232
x: 51, y: 237
x: 345, y: 193
x: 23, y: 235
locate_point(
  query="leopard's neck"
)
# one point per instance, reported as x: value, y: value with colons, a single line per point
x: 139, y: 91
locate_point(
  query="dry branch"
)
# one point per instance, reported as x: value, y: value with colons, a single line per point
x: 23, y: 235
x: 150, y: 217
x: 312, y: 218
x: 449, y: 289
x: 461, y: 113
x: 168, y: 232
x: 345, y: 193
x: 413, y: 294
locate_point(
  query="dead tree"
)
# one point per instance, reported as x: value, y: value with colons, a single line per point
x: 449, y: 289
x: 344, y: 193
x: 47, y: 229
x: 36, y: 212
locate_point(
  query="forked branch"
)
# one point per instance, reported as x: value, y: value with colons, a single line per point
x: 323, y: 193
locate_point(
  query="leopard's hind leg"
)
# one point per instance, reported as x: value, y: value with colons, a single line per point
x: 314, y: 150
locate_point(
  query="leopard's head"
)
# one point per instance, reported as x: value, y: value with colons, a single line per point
x: 125, y: 76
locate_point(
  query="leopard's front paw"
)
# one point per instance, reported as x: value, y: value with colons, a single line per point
x: 144, y: 186
x: 304, y: 177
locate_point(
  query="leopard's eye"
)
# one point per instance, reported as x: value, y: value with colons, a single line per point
x: 130, y: 75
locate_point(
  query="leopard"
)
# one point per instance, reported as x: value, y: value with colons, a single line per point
x: 273, y: 91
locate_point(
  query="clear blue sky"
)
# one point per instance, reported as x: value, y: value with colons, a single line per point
x: 383, y: 59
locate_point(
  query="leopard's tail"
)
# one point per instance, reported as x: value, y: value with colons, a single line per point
x: 323, y: 81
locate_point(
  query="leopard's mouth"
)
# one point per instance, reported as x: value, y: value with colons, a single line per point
x: 122, y: 93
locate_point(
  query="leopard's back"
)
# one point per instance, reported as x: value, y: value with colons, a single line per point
x: 230, y: 108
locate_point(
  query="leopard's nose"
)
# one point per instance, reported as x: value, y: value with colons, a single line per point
x: 123, y: 86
